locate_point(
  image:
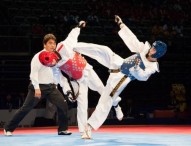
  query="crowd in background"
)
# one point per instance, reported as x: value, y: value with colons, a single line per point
x: 46, y: 16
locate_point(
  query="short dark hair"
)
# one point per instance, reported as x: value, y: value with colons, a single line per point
x: 47, y: 37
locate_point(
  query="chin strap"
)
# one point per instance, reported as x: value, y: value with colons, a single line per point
x: 58, y: 55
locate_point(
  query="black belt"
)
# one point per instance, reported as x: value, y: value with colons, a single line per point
x: 114, y: 70
x: 118, y: 85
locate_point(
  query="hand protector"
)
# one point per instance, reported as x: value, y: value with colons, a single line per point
x: 70, y: 96
x: 118, y: 20
x: 81, y: 24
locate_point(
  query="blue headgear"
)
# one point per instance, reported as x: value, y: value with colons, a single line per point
x: 161, y: 49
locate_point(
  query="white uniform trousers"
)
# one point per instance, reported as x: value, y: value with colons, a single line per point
x: 109, y: 59
x: 89, y: 80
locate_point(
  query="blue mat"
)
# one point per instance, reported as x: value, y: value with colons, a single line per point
x: 99, y: 139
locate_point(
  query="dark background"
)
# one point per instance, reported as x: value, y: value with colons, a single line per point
x: 24, y: 23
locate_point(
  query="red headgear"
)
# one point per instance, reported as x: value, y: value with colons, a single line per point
x: 46, y: 58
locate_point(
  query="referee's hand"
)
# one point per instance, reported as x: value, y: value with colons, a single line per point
x: 37, y: 93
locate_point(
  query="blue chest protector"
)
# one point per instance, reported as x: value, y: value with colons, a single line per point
x: 130, y: 62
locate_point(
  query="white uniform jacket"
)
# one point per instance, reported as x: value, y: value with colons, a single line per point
x: 136, y: 46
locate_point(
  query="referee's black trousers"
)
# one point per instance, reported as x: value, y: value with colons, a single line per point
x: 48, y: 91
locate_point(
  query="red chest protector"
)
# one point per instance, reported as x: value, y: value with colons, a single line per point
x: 74, y: 67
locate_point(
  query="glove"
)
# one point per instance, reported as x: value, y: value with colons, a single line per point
x: 118, y: 20
x: 70, y: 97
x: 81, y: 24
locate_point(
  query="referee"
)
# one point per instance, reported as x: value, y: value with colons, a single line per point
x: 42, y: 86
